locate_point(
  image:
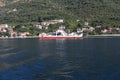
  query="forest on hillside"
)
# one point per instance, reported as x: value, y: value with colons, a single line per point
x: 104, y: 12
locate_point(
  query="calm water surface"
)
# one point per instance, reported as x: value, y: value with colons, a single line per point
x: 91, y: 58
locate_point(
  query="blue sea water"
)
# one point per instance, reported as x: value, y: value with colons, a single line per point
x: 92, y: 58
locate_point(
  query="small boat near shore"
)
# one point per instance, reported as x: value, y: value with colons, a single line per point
x: 60, y: 34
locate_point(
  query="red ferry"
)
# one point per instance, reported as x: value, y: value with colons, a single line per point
x: 60, y: 34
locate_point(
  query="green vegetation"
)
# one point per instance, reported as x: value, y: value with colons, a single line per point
x: 31, y: 11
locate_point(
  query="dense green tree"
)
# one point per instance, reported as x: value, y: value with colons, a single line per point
x: 34, y: 31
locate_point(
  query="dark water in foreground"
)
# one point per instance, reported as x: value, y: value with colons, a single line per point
x: 60, y: 59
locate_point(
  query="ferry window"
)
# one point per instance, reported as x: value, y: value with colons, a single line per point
x: 59, y: 33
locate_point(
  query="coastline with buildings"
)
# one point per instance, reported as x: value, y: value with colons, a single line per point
x: 33, y: 30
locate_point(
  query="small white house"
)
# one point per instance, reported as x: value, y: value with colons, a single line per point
x: 24, y: 34
x: 3, y: 27
x: 47, y: 23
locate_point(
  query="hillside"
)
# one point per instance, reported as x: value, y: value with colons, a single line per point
x: 104, y: 11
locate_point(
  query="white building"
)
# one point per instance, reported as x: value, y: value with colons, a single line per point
x: 3, y: 27
x: 47, y: 23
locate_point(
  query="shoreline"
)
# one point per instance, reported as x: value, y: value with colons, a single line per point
x: 26, y: 37
x: 104, y: 35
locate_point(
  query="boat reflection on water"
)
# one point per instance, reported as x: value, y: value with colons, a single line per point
x: 58, y: 49
x: 56, y: 55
